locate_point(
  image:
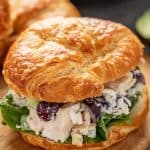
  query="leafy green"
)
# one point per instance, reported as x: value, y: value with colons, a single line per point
x: 11, y: 113
x: 87, y: 139
x: 108, y: 120
x: 102, y: 125
x: 69, y: 140
x: 134, y: 99
x: 101, y: 128
x: 119, y: 119
x: 4, y: 123
x: 24, y: 125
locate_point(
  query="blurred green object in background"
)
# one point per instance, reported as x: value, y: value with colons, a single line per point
x: 143, y: 25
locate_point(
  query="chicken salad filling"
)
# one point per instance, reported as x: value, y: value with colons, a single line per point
x: 77, y: 123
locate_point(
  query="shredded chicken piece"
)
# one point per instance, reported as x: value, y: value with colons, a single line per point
x: 123, y: 84
x: 59, y: 128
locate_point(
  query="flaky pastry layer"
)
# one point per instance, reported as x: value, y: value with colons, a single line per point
x: 68, y: 59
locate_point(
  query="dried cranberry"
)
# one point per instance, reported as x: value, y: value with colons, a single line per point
x: 46, y: 111
x: 138, y: 76
x: 95, y: 104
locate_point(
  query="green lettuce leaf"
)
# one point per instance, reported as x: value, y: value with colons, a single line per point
x: 11, y: 113
x: 134, y: 99
x: 101, y: 129
x: 102, y: 125
x: 87, y: 139
x: 69, y: 140
x: 119, y: 119
x: 108, y: 120
x: 24, y: 125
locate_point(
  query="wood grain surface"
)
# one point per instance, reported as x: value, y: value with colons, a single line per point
x: 137, y: 140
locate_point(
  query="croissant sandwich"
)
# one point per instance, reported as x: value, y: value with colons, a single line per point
x: 74, y: 84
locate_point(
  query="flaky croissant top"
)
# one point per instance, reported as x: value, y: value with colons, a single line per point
x: 69, y: 59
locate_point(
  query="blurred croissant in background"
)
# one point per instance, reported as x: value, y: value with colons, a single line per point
x: 16, y: 15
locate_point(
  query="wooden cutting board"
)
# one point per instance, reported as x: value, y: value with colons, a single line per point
x: 138, y: 140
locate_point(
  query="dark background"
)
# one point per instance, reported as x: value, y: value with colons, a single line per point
x: 123, y: 11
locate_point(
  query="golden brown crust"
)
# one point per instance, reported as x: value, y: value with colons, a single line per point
x: 25, y: 12
x: 116, y: 133
x: 4, y: 25
x: 68, y: 59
